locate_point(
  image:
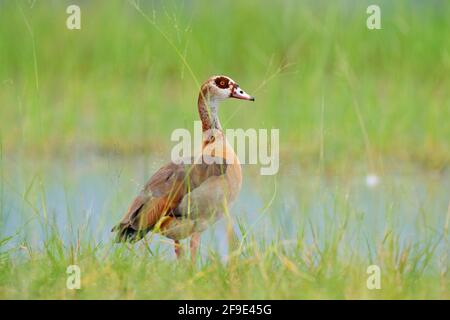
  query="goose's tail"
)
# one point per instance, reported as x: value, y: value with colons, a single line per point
x: 126, y: 233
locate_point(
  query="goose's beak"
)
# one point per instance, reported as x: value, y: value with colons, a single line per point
x: 238, y: 93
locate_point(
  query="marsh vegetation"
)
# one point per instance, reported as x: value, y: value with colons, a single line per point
x: 364, y: 178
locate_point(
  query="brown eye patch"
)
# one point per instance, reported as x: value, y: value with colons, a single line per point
x: 222, y: 82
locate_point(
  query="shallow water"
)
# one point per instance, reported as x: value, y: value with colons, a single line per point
x: 89, y: 195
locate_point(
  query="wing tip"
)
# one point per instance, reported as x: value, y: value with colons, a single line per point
x: 127, y: 234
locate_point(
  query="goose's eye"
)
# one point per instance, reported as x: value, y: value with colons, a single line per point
x: 222, y: 82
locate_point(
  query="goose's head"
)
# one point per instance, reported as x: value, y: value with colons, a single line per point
x: 218, y: 88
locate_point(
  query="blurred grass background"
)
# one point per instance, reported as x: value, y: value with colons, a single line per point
x: 341, y: 95
x: 117, y: 85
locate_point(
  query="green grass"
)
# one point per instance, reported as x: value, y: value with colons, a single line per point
x: 118, y: 85
x: 327, y: 268
x: 342, y: 96
x: 301, y: 253
x: 263, y: 274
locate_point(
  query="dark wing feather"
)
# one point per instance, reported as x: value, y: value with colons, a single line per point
x: 162, y: 194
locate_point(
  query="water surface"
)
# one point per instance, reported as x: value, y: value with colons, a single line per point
x: 88, y: 195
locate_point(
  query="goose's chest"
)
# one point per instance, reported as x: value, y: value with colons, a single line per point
x: 220, y: 149
x: 209, y: 201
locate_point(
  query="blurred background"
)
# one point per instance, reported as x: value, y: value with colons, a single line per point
x: 117, y: 85
x: 364, y: 119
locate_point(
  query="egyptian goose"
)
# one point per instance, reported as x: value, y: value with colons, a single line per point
x: 184, y: 197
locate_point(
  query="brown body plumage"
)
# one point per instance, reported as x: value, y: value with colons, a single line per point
x: 182, y: 199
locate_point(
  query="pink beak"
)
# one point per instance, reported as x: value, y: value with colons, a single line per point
x: 238, y: 93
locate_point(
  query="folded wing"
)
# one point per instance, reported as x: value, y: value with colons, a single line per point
x: 162, y: 195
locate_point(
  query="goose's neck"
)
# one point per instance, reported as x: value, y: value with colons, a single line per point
x: 208, y: 112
